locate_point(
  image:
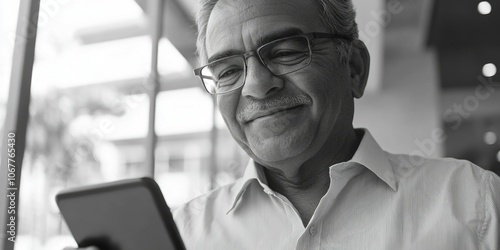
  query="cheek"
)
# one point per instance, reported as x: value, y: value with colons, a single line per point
x: 228, y: 106
x: 327, y: 84
x: 331, y: 81
x: 320, y: 83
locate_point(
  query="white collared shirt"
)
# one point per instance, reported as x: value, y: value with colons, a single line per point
x: 376, y: 200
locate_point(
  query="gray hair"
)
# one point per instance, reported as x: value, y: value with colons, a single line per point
x: 337, y: 15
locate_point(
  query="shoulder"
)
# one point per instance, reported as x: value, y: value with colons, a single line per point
x: 203, y: 219
x: 450, y: 169
x: 457, y: 178
x: 209, y: 205
x: 461, y: 181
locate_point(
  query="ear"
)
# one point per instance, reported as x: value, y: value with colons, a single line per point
x: 359, y: 64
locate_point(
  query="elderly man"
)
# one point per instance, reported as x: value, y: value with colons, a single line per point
x: 285, y: 73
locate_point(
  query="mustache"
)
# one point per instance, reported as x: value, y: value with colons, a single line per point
x: 280, y: 102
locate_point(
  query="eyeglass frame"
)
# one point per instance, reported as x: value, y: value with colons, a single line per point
x: 309, y: 37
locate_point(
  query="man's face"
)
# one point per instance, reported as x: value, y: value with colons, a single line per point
x: 280, y: 120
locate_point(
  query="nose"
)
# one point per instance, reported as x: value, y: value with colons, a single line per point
x: 259, y: 81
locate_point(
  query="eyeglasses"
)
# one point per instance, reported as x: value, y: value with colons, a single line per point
x: 282, y: 56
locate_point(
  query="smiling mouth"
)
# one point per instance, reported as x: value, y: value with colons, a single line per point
x: 266, y: 114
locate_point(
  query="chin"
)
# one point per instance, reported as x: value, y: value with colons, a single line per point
x: 281, y: 150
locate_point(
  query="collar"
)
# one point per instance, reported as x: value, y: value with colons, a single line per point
x: 369, y: 154
x: 252, y: 173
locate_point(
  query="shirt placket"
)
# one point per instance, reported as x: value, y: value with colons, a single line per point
x: 314, y: 232
x: 290, y: 211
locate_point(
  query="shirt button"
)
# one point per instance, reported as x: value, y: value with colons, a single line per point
x: 312, y: 230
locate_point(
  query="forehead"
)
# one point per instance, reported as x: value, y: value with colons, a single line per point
x: 239, y: 25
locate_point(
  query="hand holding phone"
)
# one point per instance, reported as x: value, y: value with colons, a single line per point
x: 123, y: 215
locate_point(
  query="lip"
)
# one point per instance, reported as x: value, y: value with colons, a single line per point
x: 269, y: 112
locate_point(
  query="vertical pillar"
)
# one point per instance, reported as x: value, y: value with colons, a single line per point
x: 14, y: 137
x: 155, y: 13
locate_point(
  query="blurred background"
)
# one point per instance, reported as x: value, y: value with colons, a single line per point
x: 433, y: 91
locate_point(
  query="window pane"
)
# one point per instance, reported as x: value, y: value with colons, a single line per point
x: 91, y: 62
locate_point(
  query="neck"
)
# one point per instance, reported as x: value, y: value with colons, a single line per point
x: 337, y: 149
x: 309, y: 183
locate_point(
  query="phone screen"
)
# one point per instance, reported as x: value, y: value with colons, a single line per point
x: 123, y: 215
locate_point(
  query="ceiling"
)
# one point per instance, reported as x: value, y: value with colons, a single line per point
x: 179, y: 26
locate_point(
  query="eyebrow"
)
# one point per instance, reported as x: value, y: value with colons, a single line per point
x: 261, y: 41
x: 223, y: 54
x: 279, y: 34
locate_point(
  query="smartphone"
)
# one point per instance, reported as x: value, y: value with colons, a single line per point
x: 123, y: 215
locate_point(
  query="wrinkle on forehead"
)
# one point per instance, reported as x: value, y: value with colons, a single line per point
x: 238, y: 16
x: 237, y: 8
x: 245, y: 10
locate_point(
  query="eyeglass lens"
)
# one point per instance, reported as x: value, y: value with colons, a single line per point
x: 280, y: 57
